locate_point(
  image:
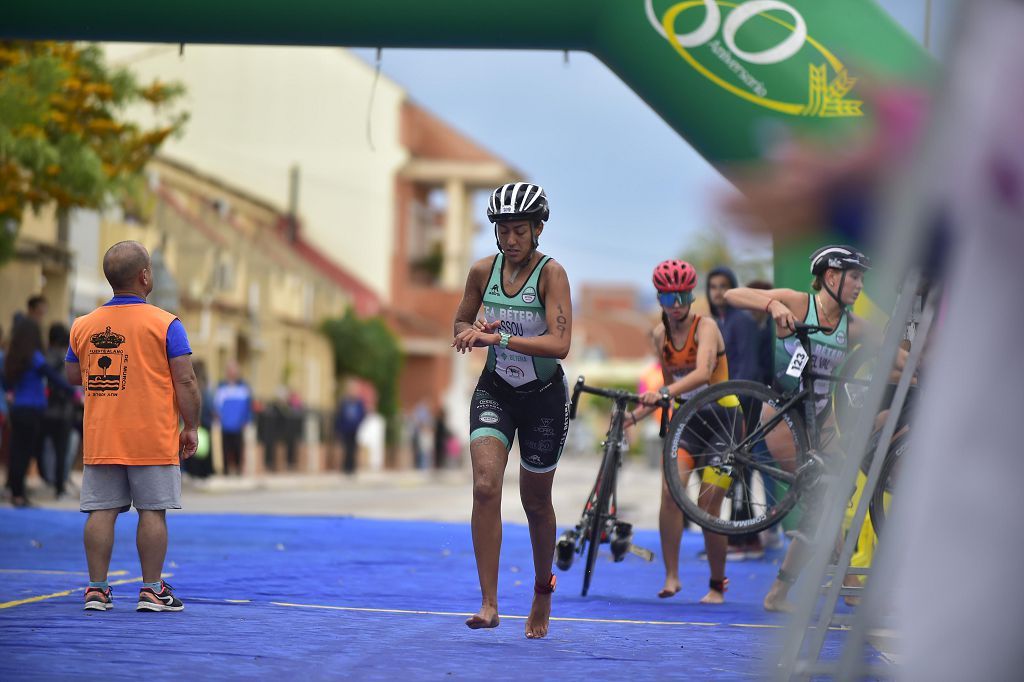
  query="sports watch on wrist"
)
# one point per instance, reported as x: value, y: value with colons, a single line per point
x: 505, y: 336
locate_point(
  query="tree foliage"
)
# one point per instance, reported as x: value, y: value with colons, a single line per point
x: 366, y: 348
x: 712, y: 248
x: 64, y: 138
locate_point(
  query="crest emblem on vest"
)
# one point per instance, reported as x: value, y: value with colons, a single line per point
x: 106, y: 339
x: 515, y: 372
x: 840, y: 338
x: 529, y: 295
x: 107, y: 371
x: 494, y: 290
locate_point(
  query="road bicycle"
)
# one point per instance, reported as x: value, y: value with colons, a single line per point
x: 847, y: 403
x: 599, y: 524
x: 765, y: 462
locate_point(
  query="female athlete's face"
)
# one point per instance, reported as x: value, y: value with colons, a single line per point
x: 852, y: 285
x: 676, y: 305
x: 516, y: 239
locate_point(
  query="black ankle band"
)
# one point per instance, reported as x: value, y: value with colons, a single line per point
x: 784, y: 577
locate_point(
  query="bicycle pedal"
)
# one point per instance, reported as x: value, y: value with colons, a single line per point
x: 645, y: 554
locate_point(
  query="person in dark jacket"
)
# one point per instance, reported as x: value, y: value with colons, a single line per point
x: 742, y: 347
x: 60, y: 411
x: 738, y: 327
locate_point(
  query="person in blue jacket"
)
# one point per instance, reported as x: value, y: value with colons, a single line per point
x: 26, y: 373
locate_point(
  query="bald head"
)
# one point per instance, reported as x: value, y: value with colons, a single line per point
x: 122, y: 264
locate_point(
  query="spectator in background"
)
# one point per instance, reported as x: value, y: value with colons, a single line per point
x: 766, y: 337
x: 348, y: 418
x: 233, y: 405
x: 4, y: 409
x: 25, y: 372
x: 201, y: 464
x: 38, y: 307
x: 741, y: 347
x: 771, y: 538
x: 59, y: 413
x: 441, y: 434
x: 738, y: 327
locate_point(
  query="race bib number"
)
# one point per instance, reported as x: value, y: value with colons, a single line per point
x: 797, y: 362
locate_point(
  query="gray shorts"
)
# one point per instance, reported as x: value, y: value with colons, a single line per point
x: 117, y: 486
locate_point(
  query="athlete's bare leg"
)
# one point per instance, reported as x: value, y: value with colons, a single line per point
x: 489, y: 456
x: 535, y: 491
x: 670, y: 525
x: 716, y: 545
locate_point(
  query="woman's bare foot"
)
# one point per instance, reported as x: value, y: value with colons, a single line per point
x: 775, y: 600
x: 671, y: 588
x: 852, y: 581
x: 486, y: 617
x: 713, y: 597
x: 537, y: 623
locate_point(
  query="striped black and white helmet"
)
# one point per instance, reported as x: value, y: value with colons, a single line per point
x: 518, y: 201
x: 839, y: 257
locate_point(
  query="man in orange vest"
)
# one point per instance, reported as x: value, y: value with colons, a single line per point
x: 134, y: 361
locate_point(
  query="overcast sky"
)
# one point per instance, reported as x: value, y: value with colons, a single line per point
x: 615, y: 173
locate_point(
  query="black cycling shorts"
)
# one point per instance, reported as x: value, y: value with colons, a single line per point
x: 539, y: 413
x: 712, y: 429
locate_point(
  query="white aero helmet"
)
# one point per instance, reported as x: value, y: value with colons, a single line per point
x: 518, y: 201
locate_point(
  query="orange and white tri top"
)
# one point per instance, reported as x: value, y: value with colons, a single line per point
x: 678, y: 362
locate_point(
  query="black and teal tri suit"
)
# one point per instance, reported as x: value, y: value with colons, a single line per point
x: 519, y: 392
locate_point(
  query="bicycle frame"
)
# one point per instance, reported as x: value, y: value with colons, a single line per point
x: 599, y: 522
x: 803, y: 396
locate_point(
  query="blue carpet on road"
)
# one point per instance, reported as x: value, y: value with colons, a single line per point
x: 322, y: 598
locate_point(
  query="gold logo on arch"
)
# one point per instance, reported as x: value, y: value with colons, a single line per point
x: 826, y: 98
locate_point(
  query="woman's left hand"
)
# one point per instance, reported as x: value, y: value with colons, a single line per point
x: 472, y: 338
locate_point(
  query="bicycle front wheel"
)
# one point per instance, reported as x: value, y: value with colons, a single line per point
x: 731, y: 458
x: 601, y: 511
x: 882, y: 495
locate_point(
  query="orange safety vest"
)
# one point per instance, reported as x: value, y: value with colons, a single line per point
x: 131, y: 414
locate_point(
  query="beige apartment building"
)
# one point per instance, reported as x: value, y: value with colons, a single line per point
x: 382, y: 187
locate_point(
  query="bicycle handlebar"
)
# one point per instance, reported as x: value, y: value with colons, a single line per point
x: 804, y: 330
x: 618, y: 395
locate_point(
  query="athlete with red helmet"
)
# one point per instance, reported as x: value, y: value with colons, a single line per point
x: 692, y: 355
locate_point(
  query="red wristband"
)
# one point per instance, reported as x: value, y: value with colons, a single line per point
x: 769, y: 304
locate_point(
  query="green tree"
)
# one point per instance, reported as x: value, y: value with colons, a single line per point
x: 366, y: 348
x: 63, y: 135
x: 711, y: 248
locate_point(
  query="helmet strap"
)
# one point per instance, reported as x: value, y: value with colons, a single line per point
x: 836, y: 295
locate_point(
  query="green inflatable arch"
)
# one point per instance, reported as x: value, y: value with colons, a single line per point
x: 722, y: 74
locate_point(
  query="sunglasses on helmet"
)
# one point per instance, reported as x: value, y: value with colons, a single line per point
x: 672, y: 298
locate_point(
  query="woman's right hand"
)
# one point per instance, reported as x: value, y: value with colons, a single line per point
x: 487, y: 327
x: 783, y: 316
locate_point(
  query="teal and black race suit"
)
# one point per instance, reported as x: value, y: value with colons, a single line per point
x: 519, y: 392
x: 827, y: 353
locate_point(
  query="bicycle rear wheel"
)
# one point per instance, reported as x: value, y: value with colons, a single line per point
x: 601, y: 511
x: 755, y: 458
x: 882, y: 495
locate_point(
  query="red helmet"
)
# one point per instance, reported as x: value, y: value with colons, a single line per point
x: 674, y: 275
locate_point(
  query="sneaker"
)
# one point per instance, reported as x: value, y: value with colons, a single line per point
x: 772, y: 539
x: 734, y: 554
x: 754, y: 552
x: 98, y: 600
x: 164, y: 600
